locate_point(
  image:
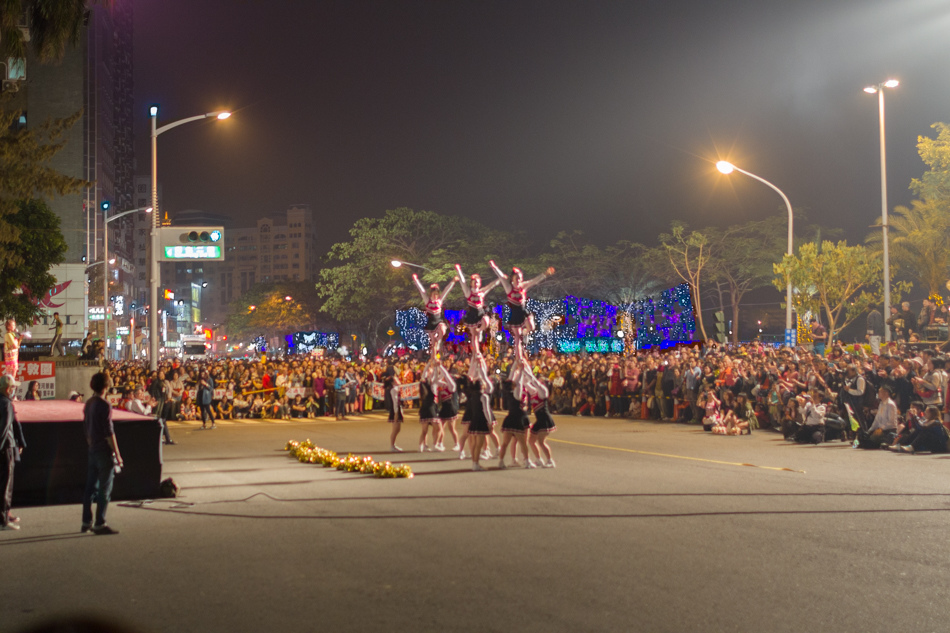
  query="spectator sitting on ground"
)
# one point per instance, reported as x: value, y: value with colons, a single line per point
x: 930, y: 435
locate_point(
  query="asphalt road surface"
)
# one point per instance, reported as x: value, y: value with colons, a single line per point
x: 641, y: 527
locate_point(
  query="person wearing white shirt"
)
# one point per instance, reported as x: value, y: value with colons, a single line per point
x: 813, y: 416
x: 137, y: 405
x: 884, y: 429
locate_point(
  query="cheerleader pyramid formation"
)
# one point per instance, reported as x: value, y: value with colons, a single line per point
x: 440, y: 391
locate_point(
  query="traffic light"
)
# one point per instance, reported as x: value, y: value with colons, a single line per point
x: 209, y: 334
x: 106, y: 205
x: 721, y: 326
x: 192, y: 243
x: 169, y: 294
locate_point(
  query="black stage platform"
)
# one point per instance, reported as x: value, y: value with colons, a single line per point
x: 53, y: 466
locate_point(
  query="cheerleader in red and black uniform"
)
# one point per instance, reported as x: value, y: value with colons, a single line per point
x: 448, y: 398
x: 482, y: 421
x: 543, y: 422
x: 428, y: 414
x: 516, y: 290
x: 515, y: 426
x: 475, y: 316
x: 393, y: 404
x: 435, y: 325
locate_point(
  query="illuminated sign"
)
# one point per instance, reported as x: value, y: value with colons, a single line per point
x: 193, y: 252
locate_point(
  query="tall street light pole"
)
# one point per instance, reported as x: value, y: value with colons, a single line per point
x: 155, y: 277
x: 105, y: 264
x: 727, y: 168
x: 879, y: 89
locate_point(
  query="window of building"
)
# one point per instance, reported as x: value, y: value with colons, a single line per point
x: 265, y: 228
x: 141, y: 188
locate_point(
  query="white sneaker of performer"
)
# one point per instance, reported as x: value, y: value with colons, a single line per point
x: 550, y: 464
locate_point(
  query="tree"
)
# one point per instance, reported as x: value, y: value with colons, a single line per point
x: 365, y: 290
x: 840, y: 280
x: 265, y: 310
x: 743, y: 257
x: 688, y: 255
x: 919, y: 241
x: 52, y: 26
x: 934, y: 184
x: 24, y: 272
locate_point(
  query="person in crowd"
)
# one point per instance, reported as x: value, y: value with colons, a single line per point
x: 57, y: 348
x: 883, y: 431
x: 12, y: 444
x: 103, y: 454
x: 33, y: 391
x: 11, y: 349
x: 929, y: 436
x: 204, y: 398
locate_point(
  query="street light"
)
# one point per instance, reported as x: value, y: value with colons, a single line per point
x: 727, y: 168
x: 156, y: 222
x: 106, y: 205
x: 398, y: 263
x: 879, y: 89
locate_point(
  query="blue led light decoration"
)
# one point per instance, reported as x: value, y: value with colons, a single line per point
x: 575, y: 324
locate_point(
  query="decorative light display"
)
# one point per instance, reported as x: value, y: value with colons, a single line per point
x: 260, y: 344
x: 307, y: 453
x: 306, y: 342
x: 937, y: 299
x: 804, y: 332
x: 574, y: 324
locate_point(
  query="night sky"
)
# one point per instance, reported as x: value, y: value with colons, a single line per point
x: 542, y: 116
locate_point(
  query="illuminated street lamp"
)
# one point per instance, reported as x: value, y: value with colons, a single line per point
x: 398, y: 263
x: 879, y: 89
x: 727, y: 168
x: 156, y: 221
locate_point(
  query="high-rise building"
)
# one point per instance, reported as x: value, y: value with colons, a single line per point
x: 95, y: 78
x: 279, y: 248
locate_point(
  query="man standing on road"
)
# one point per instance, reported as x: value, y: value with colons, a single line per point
x: 104, y: 456
x: 11, y: 445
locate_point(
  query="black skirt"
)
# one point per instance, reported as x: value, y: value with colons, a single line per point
x: 474, y: 315
x: 543, y: 422
x: 428, y: 407
x: 432, y: 321
x: 517, y: 314
x: 516, y: 421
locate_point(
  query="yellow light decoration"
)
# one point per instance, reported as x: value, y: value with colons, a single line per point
x: 307, y: 452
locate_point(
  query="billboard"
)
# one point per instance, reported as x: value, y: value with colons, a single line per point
x: 68, y: 297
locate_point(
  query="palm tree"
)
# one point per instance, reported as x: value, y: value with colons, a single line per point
x: 919, y: 241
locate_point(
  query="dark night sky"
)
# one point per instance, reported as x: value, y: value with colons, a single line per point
x: 544, y: 115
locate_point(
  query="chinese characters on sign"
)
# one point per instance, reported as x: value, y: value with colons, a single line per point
x: 193, y: 252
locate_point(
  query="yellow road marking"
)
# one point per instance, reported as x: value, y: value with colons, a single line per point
x: 694, y: 459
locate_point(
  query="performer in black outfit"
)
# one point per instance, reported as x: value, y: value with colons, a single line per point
x: 543, y: 422
x: 515, y: 426
x: 475, y: 316
x: 393, y: 404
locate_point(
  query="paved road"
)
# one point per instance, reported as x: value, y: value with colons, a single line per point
x: 641, y: 527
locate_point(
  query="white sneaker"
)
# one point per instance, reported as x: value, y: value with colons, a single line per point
x: 440, y: 448
x: 550, y: 464
x: 530, y: 464
x: 457, y: 447
x: 477, y: 468
x: 395, y: 449
x: 422, y: 448
x: 462, y: 455
x: 515, y: 463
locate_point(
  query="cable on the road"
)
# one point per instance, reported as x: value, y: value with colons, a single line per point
x: 694, y: 459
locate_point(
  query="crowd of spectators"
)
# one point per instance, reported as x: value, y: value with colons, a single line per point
x: 890, y: 399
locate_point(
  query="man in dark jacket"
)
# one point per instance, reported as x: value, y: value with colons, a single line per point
x: 11, y: 445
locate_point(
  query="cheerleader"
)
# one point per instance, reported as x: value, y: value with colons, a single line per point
x: 516, y: 290
x: 435, y: 325
x: 448, y: 399
x: 515, y: 426
x: 475, y: 316
x: 428, y: 415
x: 393, y: 405
x: 482, y: 421
x: 478, y: 405
x: 543, y: 422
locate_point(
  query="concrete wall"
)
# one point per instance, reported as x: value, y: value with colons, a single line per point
x: 74, y: 376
